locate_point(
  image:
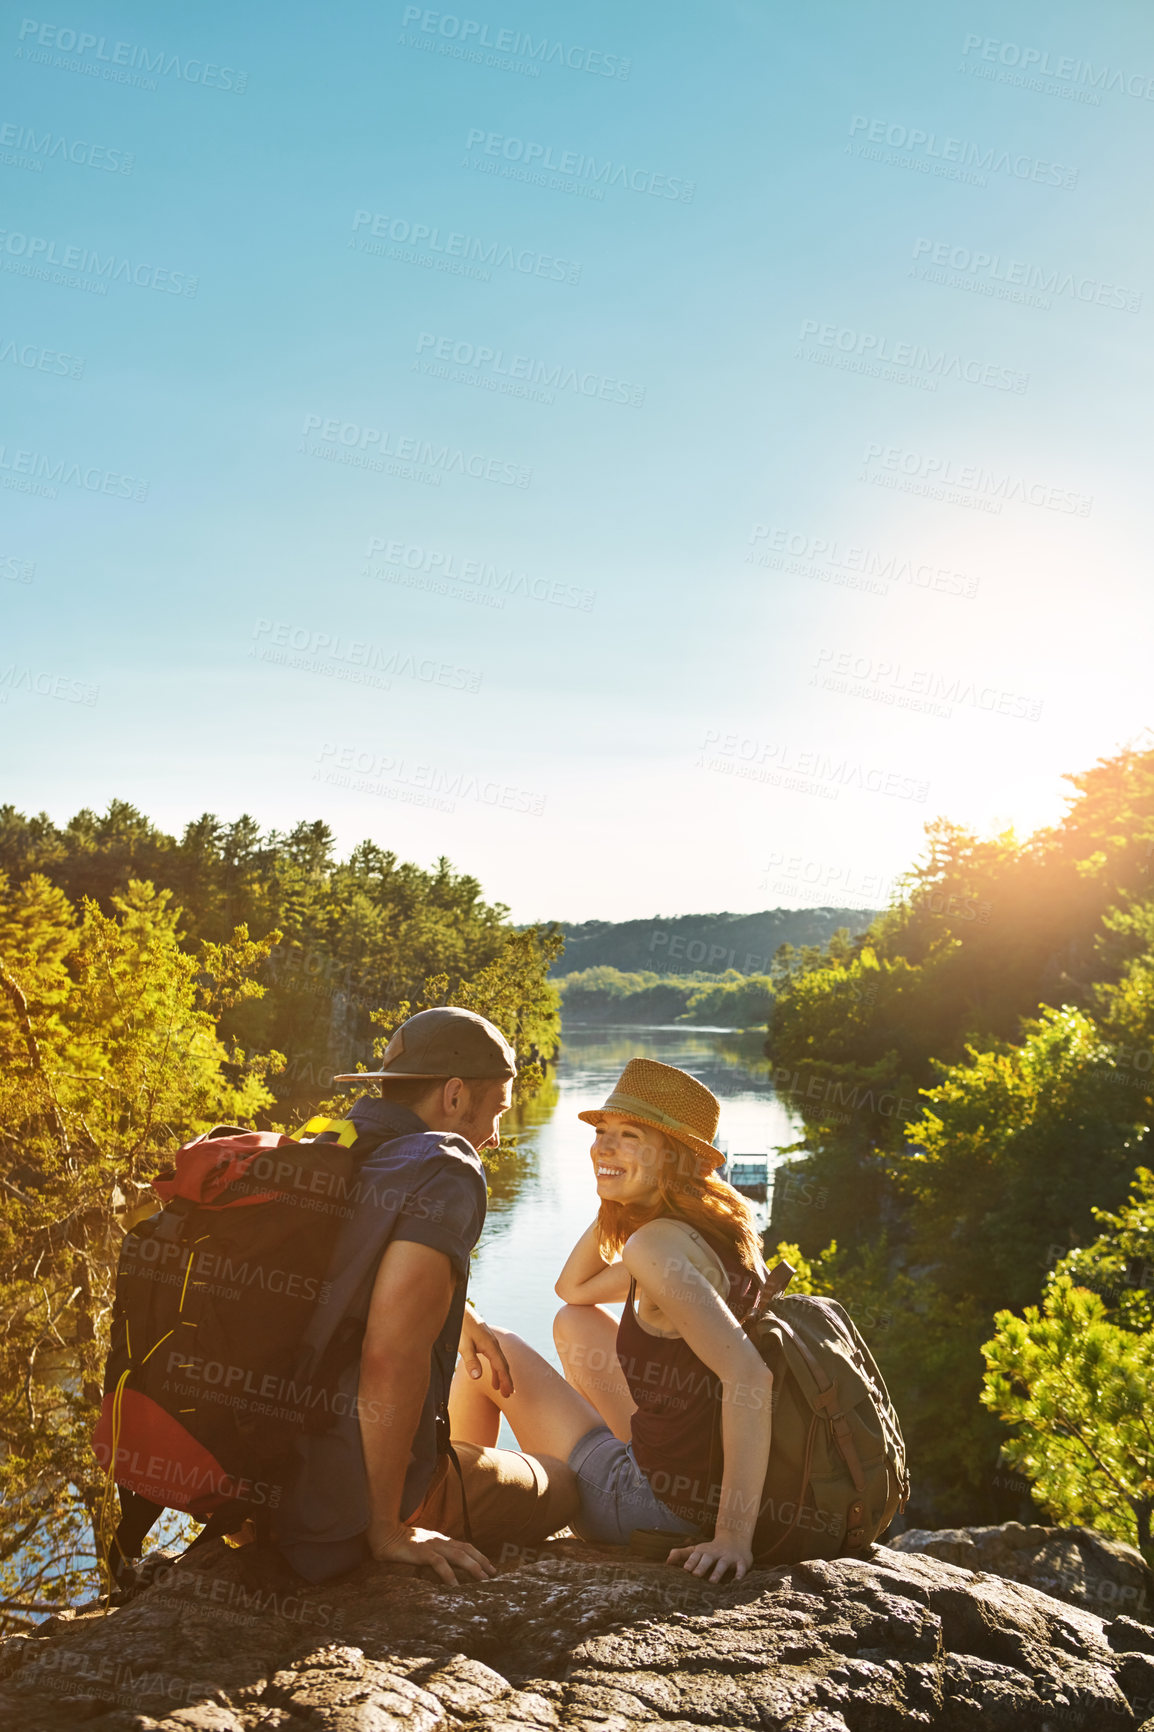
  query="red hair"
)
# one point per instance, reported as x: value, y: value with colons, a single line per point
x: 688, y: 1194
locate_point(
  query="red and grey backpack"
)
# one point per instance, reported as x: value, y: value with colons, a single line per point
x: 202, y: 1404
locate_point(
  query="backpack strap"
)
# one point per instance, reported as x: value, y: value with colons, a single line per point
x: 459, y: 1471
x: 772, y: 1288
x: 826, y: 1400
x: 138, y: 1515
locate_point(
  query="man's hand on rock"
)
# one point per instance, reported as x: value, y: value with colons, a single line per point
x: 479, y: 1342
x: 434, y: 1551
x: 712, y: 1559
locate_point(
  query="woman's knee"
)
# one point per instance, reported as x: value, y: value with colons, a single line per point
x: 564, y: 1325
x: 576, y: 1328
x: 581, y: 1343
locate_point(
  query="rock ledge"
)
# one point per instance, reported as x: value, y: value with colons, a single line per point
x: 579, y: 1638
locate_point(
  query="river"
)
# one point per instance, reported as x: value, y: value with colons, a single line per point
x: 543, y: 1201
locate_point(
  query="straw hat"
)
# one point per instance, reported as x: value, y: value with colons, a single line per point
x: 667, y: 1100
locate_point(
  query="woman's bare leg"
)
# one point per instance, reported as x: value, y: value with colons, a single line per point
x: 586, y: 1340
x: 547, y: 1415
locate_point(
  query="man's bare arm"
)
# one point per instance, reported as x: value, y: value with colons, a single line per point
x: 409, y: 1306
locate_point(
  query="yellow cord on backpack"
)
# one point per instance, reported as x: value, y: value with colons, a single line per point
x: 346, y: 1131
x: 105, y: 1534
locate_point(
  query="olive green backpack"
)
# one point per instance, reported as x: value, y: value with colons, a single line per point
x: 837, y: 1462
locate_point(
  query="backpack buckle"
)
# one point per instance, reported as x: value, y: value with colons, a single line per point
x: 778, y: 1279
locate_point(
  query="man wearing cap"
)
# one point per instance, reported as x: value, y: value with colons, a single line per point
x: 383, y: 1481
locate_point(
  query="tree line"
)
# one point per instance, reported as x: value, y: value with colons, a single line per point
x: 975, y: 1080
x: 604, y: 994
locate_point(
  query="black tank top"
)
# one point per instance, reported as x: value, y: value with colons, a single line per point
x: 676, y: 1430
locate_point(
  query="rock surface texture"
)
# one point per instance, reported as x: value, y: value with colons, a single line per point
x: 574, y: 1638
x: 1073, y: 1564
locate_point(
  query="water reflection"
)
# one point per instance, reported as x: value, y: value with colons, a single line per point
x: 542, y: 1200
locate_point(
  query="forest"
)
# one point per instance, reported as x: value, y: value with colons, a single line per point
x: 609, y: 995
x: 975, y: 1080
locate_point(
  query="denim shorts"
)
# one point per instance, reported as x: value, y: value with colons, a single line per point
x: 615, y: 1495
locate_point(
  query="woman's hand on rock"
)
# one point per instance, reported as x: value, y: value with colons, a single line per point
x: 711, y: 1560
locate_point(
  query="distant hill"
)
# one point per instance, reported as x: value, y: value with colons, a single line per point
x: 710, y: 943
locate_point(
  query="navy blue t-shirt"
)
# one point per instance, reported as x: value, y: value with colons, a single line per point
x: 420, y: 1185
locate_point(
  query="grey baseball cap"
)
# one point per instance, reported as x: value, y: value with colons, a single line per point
x: 443, y: 1042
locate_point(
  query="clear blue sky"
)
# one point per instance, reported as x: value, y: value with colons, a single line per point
x: 838, y: 518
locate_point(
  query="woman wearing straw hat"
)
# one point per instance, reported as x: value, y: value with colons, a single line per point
x: 665, y: 1417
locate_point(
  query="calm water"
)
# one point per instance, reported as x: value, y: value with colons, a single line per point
x: 539, y: 1210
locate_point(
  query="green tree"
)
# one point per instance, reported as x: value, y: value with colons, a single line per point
x: 1119, y: 1264
x: 1076, y: 1388
x: 1012, y: 1151
x: 1033, y: 1117
x: 355, y: 936
x: 736, y: 1000
x: 109, y: 1057
x: 497, y: 992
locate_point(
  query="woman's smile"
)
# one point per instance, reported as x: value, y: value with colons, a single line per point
x: 626, y: 1159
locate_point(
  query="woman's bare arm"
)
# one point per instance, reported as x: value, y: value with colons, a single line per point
x: 587, y: 1279
x: 657, y: 1256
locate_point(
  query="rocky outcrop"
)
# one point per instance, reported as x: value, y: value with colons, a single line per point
x: 1072, y: 1564
x: 572, y: 1638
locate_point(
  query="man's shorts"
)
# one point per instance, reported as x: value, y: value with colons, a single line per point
x: 514, y: 1501
x: 616, y: 1497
